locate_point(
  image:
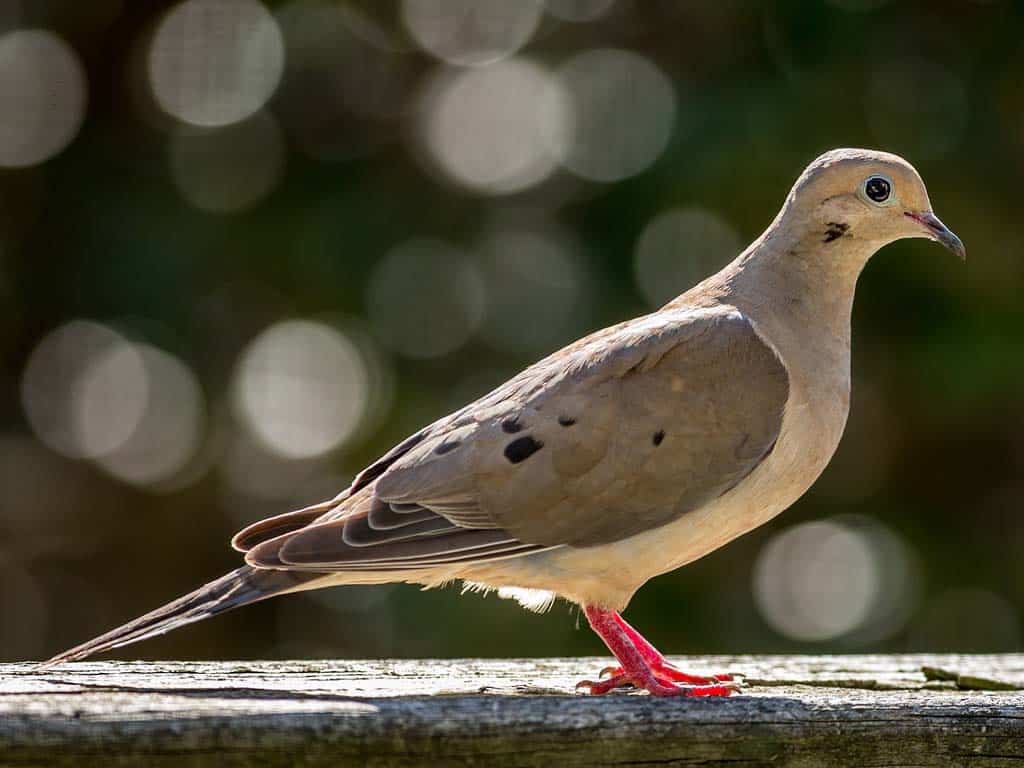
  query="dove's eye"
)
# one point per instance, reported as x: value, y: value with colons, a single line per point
x: 877, y: 189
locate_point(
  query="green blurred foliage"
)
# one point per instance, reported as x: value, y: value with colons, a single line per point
x: 934, y: 446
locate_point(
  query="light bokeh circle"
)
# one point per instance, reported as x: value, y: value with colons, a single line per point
x: 471, y: 32
x: 215, y: 62
x: 426, y: 298
x: 680, y: 247
x: 301, y: 388
x: 816, y: 581
x: 623, y: 113
x: 43, y: 94
x: 495, y: 130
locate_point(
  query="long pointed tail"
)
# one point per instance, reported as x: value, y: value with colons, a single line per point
x: 240, y: 587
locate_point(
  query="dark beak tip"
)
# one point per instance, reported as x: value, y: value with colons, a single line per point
x: 960, y: 251
x: 951, y: 242
x: 940, y: 233
x: 954, y: 245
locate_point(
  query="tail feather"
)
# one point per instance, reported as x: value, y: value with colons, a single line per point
x: 240, y: 587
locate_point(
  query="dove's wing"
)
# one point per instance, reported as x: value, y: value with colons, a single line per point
x: 623, y: 431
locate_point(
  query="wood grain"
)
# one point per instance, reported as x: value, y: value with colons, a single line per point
x: 796, y: 711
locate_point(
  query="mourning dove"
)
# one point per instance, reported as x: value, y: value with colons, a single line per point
x: 628, y: 453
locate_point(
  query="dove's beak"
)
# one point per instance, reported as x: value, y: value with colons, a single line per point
x: 935, y: 230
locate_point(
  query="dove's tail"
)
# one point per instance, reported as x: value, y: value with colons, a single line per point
x: 240, y: 587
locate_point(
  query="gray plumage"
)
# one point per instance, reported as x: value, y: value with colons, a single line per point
x: 628, y: 453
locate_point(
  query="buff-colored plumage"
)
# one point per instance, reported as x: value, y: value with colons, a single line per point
x: 628, y: 453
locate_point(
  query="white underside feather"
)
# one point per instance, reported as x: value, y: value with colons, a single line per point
x: 537, y: 600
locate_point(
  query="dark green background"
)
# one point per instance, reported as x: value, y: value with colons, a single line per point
x: 933, y: 449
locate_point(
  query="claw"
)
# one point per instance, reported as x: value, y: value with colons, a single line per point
x: 610, y: 672
x: 601, y: 687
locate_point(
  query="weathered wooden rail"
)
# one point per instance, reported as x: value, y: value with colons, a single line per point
x: 796, y: 711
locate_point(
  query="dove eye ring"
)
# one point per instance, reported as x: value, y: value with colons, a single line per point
x: 878, y: 189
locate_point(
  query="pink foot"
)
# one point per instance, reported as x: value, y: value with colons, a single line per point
x: 659, y: 687
x: 661, y: 666
x: 671, y: 673
x: 642, y: 666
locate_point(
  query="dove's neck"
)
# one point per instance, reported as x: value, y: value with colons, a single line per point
x: 796, y: 287
x: 798, y: 291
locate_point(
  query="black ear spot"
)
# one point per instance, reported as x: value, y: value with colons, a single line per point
x: 511, y: 425
x: 658, y: 437
x: 446, y: 447
x: 566, y: 421
x: 835, y: 230
x: 522, y: 448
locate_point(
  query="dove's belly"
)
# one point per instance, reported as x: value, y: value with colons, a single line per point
x: 608, y: 575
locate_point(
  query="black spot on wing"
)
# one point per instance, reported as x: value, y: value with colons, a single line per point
x: 566, y: 421
x: 658, y: 437
x: 511, y: 425
x: 522, y: 448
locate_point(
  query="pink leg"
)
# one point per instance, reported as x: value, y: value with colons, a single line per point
x: 658, y: 663
x: 636, y: 669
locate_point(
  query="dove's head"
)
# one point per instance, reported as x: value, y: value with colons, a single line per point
x: 867, y: 196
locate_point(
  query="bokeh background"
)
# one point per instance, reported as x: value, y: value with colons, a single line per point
x: 246, y: 246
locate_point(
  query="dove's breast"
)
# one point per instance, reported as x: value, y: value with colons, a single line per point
x: 609, y: 574
x: 812, y: 426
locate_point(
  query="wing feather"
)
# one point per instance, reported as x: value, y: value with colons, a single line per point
x: 272, y: 527
x: 384, y: 517
x: 622, y: 432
